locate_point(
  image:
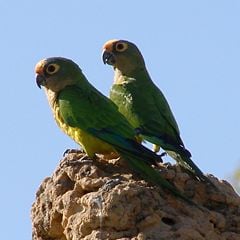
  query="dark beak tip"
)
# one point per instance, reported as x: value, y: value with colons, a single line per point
x: 108, y: 58
x: 40, y: 80
x: 104, y: 57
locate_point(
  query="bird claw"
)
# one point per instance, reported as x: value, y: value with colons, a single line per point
x: 69, y: 151
x: 163, y: 154
x: 159, y: 159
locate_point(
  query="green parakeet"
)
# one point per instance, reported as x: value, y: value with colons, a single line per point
x: 92, y: 120
x: 143, y: 103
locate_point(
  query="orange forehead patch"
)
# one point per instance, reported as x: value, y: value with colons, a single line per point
x: 108, y: 46
x: 39, y: 66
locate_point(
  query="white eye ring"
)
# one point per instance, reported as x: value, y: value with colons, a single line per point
x: 121, y: 46
x: 52, y: 68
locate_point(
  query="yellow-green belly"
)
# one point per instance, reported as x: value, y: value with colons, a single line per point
x: 89, y: 143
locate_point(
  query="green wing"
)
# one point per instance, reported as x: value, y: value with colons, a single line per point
x: 161, y: 122
x: 148, y: 111
x: 84, y: 109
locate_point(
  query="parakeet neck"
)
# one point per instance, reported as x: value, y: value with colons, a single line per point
x: 51, y: 96
x: 120, y: 77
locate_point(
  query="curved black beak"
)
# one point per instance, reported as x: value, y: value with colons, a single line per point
x: 40, y: 80
x: 108, y: 58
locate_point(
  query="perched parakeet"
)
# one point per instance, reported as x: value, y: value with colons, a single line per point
x: 92, y: 120
x: 143, y: 103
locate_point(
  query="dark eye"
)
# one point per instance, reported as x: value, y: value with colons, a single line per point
x: 121, y: 46
x: 52, y: 68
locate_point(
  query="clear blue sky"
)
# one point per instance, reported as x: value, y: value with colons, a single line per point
x: 192, y: 50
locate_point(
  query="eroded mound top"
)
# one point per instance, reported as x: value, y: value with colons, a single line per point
x: 103, y: 199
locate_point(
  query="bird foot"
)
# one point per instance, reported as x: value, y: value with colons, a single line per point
x: 76, y: 161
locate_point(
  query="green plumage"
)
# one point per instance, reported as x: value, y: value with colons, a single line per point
x: 93, y: 120
x: 143, y: 103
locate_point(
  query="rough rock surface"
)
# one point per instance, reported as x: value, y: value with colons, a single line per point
x: 102, y: 199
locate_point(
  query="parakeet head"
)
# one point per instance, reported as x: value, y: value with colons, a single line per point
x: 56, y: 73
x: 123, y: 55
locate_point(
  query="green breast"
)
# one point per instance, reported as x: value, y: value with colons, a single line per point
x: 122, y: 96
